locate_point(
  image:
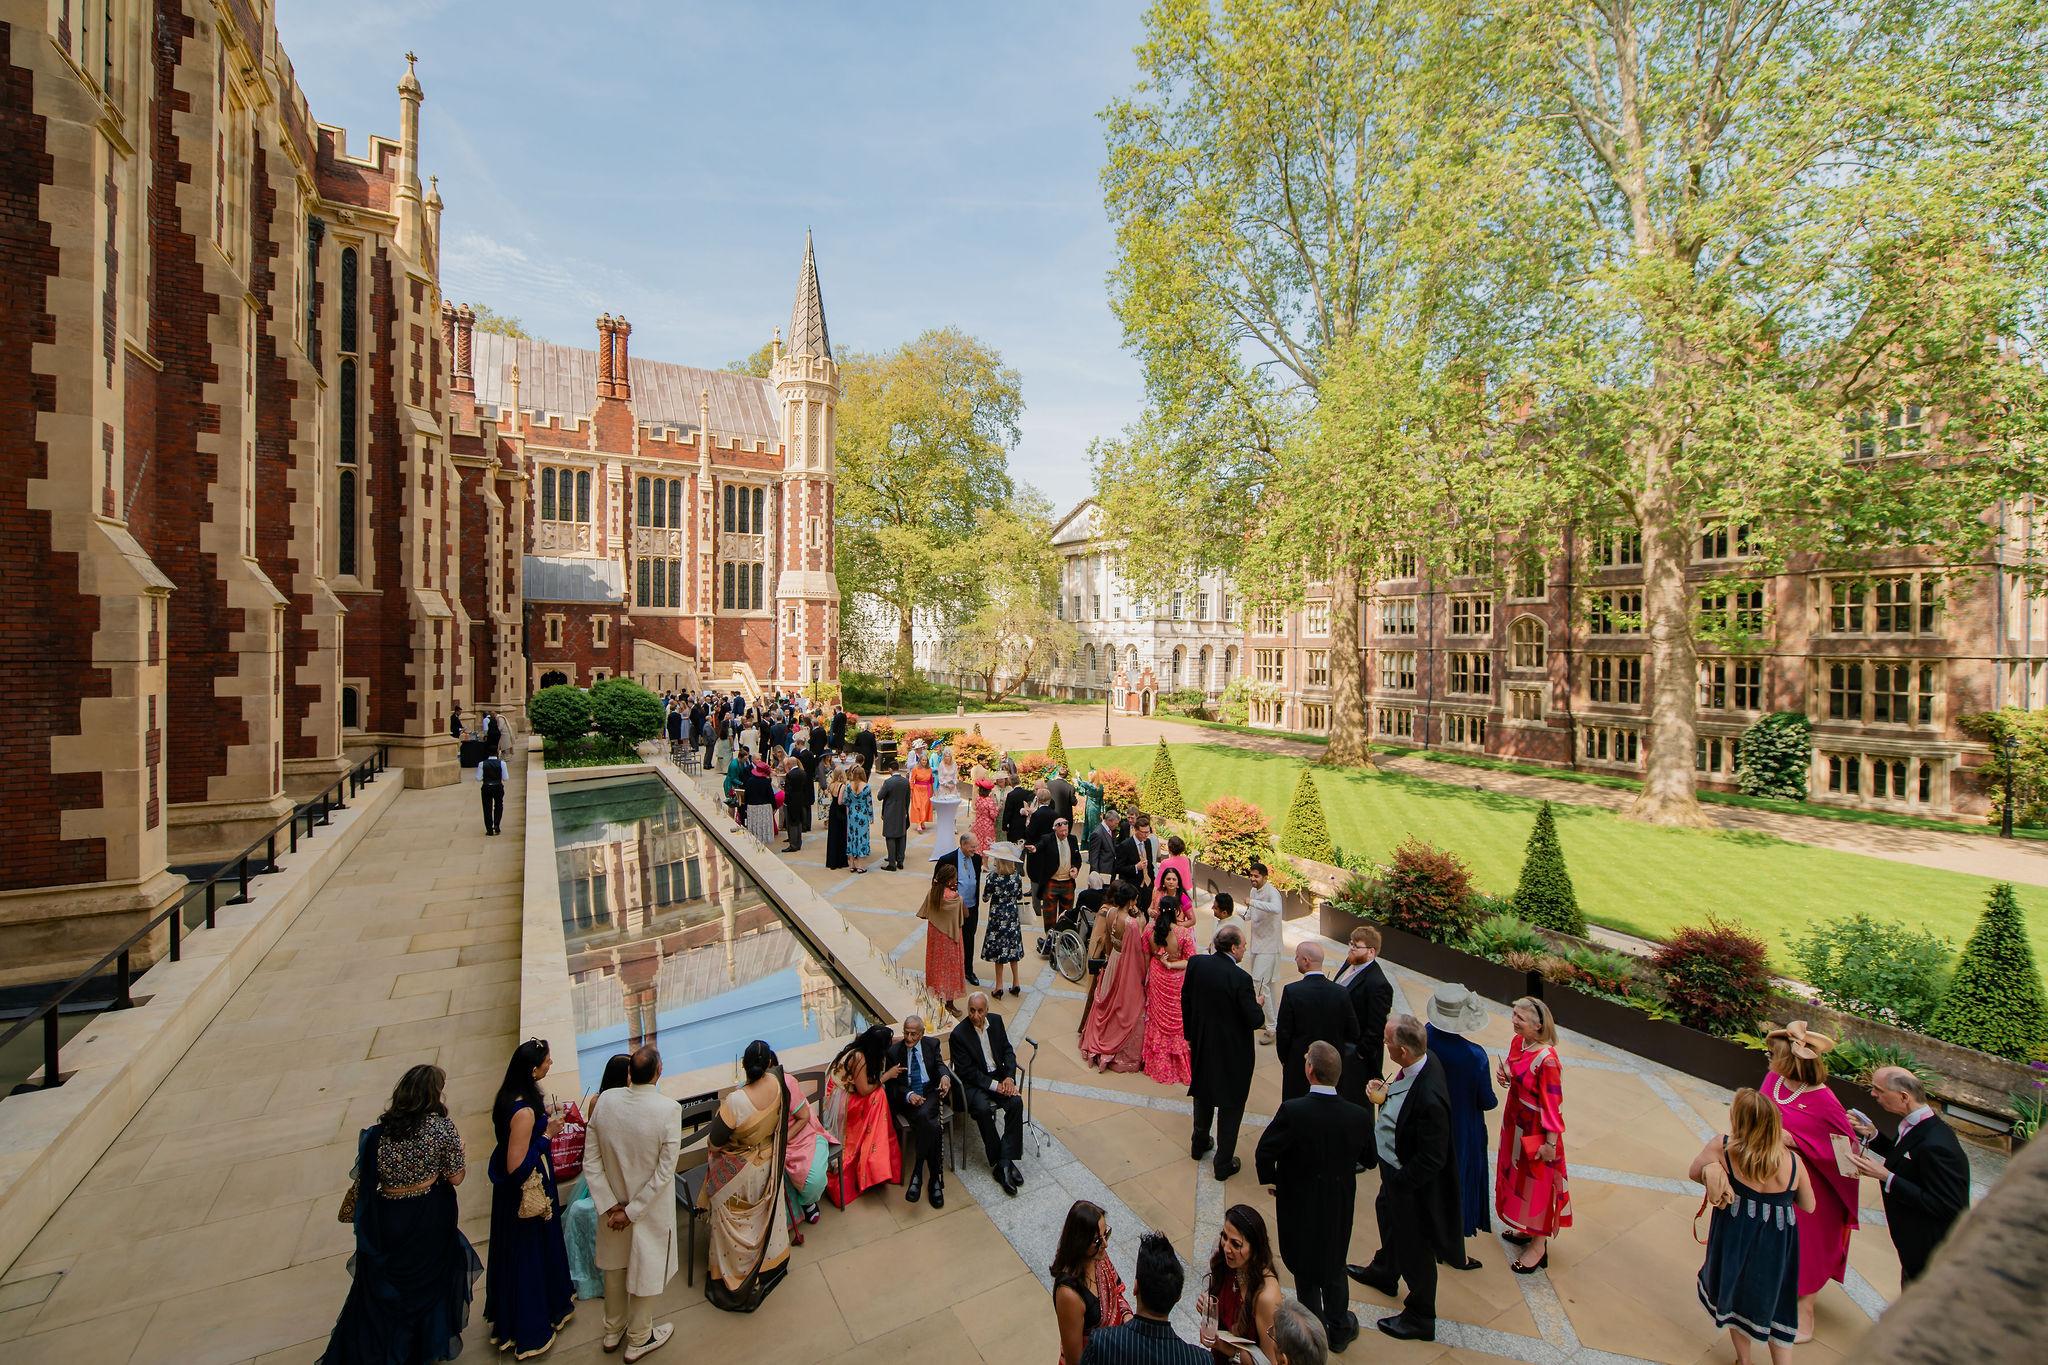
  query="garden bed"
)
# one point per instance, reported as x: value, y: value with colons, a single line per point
x: 1296, y: 904
x: 1491, y: 979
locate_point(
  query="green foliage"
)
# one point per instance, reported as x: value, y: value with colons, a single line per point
x: 1235, y: 705
x: 489, y: 319
x: 1994, y: 1003
x: 1881, y: 970
x: 625, y: 712
x: 2030, y: 1106
x: 591, y: 751
x: 1056, y: 748
x: 1119, y: 789
x: 1498, y: 935
x: 1162, y: 786
x: 1715, y: 977
x: 1544, y: 895
x: 1775, y: 755
x: 1854, y: 1060
x: 1305, y: 832
x: 2027, y: 763
x: 1188, y: 701
x: 559, y: 714
x: 1234, y: 834
x: 972, y: 750
x: 1602, y: 971
x: 757, y: 363
x: 1034, y: 765
x: 1427, y: 892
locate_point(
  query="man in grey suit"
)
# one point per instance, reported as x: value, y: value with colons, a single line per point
x: 895, y: 802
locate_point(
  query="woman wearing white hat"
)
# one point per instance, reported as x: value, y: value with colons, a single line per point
x: 1455, y: 1013
x: 1002, y: 945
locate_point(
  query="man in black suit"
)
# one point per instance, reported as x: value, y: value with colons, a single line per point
x: 1372, y: 999
x: 809, y: 756
x: 893, y: 796
x: 797, y: 793
x: 1306, y: 1155
x: 1313, y: 1009
x: 1062, y: 795
x: 986, y: 1066
x: 1102, y: 853
x: 966, y: 862
x: 1218, y: 1014
x: 914, y: 1097
x: 838, y: 728
x: 1016, y: 819
x: 864, y: 745
x: 1926, y: 1177
x: 778, y: 733
x: 819, y: 739
x: 1417, y: 1208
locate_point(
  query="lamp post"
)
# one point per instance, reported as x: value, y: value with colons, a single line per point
x: 1105, y: 717
x: 2010, y: 744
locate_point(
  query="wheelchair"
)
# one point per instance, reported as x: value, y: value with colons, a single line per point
x: 1067, y: 941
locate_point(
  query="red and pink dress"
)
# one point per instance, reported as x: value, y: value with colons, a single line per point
x: 1812, y: 1118
x: 1166, y: 1044
x: 1531, y: 1195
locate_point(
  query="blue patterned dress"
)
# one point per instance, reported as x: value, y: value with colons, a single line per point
x: 1003, y: 942
x: 860, y: 815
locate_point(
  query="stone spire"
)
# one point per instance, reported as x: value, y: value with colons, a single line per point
x: 408, y: 189
x: 807, y: 334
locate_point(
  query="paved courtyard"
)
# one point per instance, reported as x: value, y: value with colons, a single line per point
x: 206, y: 1233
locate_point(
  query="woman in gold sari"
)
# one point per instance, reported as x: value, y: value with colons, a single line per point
x: 743, y: 1187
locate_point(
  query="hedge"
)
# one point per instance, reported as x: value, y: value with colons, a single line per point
x: 1544, y: 895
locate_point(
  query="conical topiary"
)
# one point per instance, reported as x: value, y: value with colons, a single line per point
x: 1162, y: 787
x: 1994, y: 1003
x: 1056, y: 749
x: 1544, y: 896
x: 1306, y: 833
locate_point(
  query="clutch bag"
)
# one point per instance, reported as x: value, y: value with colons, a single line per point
x: 533, y: 1198
x: 347, y: 1212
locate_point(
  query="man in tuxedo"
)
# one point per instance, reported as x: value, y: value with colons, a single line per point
x: 838, y: 738
x: 1102, y: 847
x: 1372, y: 999
x: 1306, y: 1155
x: 820, y: 740
x: 1016, y: 819
x: 797, y: 792
x: 1926, y: 1177
x: 809, y: 756
x: 1149, y: 853
x: 1218, y: 1012
x: 966, y: 862
x: 986, y: 1066
x: 1417, y: 1208
x: 914, y: 1098
x: 1062, y: 795
x: 864, y: 745
x: 1313, y: 1009
x: 894, y: 798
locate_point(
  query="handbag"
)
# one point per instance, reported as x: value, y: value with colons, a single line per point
x: 366, y: 1154
x: 533, y: 1197
x: 565, y: 1153
x: 1718, y: 1193
x: 347, y: 1212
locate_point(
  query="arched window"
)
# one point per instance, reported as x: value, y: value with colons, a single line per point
x: 554, y: 678
x: 1202, y: 662
x: 1131, y: 662
x: 1527, y: 643
x: 351, y: 709
x: 1229, y: 663
x: 1180, y: 662
x: 1091, y: 661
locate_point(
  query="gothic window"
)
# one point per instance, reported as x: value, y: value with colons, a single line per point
x: 1527, y: 643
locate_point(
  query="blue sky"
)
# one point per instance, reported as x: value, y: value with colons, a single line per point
x: 663, y: 160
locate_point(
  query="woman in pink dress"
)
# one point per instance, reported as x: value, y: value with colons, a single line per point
x: 1113, y: 1038
x: 1531, y: 1190
x: 1798, y: 1085
x: 1172, y: 891
x: 1176, y: 859
x: 1172, y: 943
x: 945, y: 956
x: 985, y: 810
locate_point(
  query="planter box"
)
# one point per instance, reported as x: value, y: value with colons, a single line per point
x: 1488, y: 978
x: 1712, y: 1059
x: 1295, y: 904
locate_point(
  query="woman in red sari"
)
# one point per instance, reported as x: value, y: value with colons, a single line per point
x: 857, y: 1115
x: 1531, y: 1191
x: 1798, y: 1085
x: 1171, y: 943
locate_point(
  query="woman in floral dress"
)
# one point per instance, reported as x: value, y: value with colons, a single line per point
x: 860, y: 818
x: 1172, y: 943
x: 1002, y: 944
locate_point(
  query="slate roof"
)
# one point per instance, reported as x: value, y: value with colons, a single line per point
x: 563, y: 380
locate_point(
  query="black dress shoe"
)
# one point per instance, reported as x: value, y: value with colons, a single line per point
x: 1516, y: 1238
x: 1469, y: 1263
x: 938, y: 1200
x: 1016, y: 1174
x: 1009, y: 1185
x: 1389, y: 1286
x: 1224, y: 1172
x: 916, y: 1184
x: 1199, y: 1149
x: 1401, y: 1327
x: 1344, y: 1333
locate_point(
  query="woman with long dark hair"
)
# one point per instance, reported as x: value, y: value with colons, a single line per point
x: 414, y: 1272
x: 743, y: 1186
x: 1087, y: 1294
x: 1244, y: 1290
x: 1172, y: 942
x: 527, y: 1293
x: 579, y: 1219
x: 857, y: 1116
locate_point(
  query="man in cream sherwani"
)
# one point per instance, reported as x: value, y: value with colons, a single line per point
x: 630, y: 1165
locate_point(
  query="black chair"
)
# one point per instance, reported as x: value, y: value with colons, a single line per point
x: 698, y: 1111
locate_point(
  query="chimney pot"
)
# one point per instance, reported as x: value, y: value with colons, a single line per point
x: 622, y: 374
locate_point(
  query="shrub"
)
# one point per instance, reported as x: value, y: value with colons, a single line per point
x: 625, y: 712
x: 1775, y: 755
x: 1498, y: 935
x: 970, y: 750
x: 884, y: 729
x: 1358, y: 895
x: 2028, y: 762
x: 1715, y: 977
x: 1235, y: 835
x: 1306, y: 833
x: 1523, y: 960
x: 928, y: 734
x: 1119, y: 789
x: 1994, y: 1003
x: 559, y: 714
x: 1485, y: 906
x: 590, y: 751
x: 1544, y: 895
x: 1876, y: 969
x: 1854, y: 1060
x: 1033, y: 766
x: 1188, y: 701
x: 1234, y: 707
x: 1603, y: 970
x: 1162, y: 786
x: 1428, y: 892
x: 1056, y: 748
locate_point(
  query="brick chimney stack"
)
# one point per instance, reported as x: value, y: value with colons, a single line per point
x: 604, y: 355
x: 465, y: 336
x: 622, y: 374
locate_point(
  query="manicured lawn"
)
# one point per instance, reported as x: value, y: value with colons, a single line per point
x: 1629, y: 876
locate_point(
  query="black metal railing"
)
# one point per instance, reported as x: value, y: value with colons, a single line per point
x: 255, y: 860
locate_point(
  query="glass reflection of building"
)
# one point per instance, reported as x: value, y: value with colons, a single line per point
x: 670, y: 942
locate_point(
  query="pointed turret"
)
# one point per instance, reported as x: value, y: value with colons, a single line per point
x: 807, y: 334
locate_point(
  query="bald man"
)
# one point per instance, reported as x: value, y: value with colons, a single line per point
x: 1313, y: 1009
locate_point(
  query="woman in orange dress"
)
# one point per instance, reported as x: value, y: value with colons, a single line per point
x: 945, y: 956
x: 1531, y: 1191
x: 920, y: 790
x: 856, y: 1114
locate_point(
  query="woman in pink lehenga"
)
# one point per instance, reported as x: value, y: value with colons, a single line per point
x: 1172, y: 943
x: 1113, y: 1038
x: 1798, y: 1085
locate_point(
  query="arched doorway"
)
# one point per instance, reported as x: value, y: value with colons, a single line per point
x: 554, y: 677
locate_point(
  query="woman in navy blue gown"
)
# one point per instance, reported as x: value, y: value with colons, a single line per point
x: 527, y: 1291
x: 1455, y: 1012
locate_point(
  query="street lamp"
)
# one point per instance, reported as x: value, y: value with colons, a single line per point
x: 1105, y: 717
x: 2010, y: 744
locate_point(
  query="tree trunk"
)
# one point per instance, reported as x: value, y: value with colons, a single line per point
x: 1669, y: 790
x: 1348, y: 743
x: 906, y: 653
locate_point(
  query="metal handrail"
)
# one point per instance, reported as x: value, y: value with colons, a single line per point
x: 318, y: 811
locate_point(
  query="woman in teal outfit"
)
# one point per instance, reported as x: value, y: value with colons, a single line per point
x: 860, y: 817
x: 579, y: 1219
